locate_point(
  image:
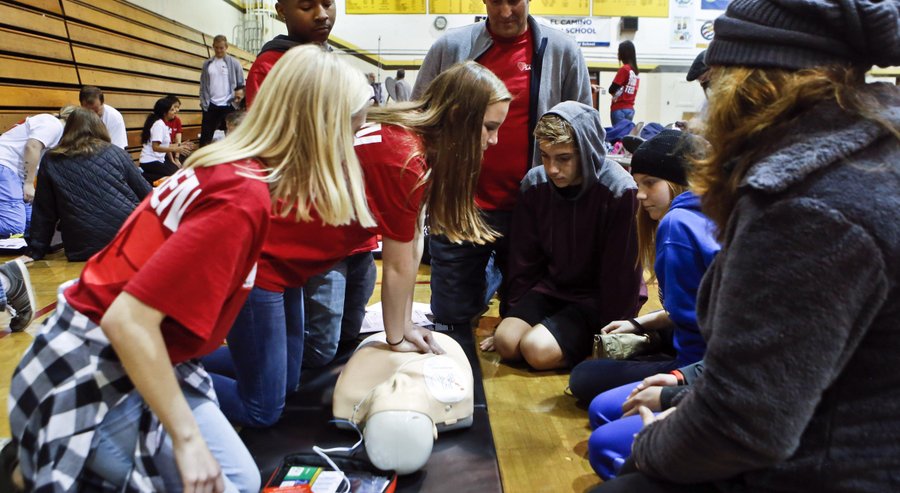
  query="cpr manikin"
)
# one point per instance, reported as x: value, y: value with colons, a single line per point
x: 404, y: 399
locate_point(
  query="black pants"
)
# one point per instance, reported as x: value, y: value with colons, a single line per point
x: 461, y: 286
x: 213, y: 119
x: 630, y: 480
x: 156, y: 170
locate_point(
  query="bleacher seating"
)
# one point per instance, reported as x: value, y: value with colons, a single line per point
x: 49, y: 48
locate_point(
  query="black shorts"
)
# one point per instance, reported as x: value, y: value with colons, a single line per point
x: 573, y: 326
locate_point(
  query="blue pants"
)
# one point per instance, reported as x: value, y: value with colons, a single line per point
x: 15, y: 213
x: 610, y: 442
x: 335, y: 304
x: 618, y: 115
x: 112, y: 456
x: 465, y: 276
x: 261, y: 364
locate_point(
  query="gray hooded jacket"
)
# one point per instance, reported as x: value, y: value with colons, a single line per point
x: 558, y: 70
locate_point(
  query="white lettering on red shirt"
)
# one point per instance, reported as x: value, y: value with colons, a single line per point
x: 175, y: 194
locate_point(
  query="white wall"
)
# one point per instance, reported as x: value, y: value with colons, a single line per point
x: 208, y: 16
x: 662, y: 97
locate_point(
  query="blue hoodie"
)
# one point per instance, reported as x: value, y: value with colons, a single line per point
x: 685, y: 246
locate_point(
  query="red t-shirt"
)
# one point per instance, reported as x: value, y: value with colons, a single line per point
x: 258, y: 72
x: 628, y: 82
x: 295, y: 251
x: 393, y: 159
x: 189, y: 250
x: 174, y: 127
x: 506, y: 163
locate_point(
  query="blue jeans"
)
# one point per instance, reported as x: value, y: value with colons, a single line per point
x: 116, y: 438
x: 261, y: 364
x: 15, y: 213
x: 465, y: 276
x: 619, y: 115
x: 335, y: 304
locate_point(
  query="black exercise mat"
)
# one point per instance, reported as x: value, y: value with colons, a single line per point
x: 462, y: 460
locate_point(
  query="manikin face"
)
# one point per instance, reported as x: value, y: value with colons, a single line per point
x: 308, y: 21
x: 507, y: 18
x: 220, y: 47
x: 94, y: 105
x: 654, y: 194
x: 561, y: 163
x: 493, y: 118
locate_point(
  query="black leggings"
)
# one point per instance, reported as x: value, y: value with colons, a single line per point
x: 639, y: 483
x: 156, y: 170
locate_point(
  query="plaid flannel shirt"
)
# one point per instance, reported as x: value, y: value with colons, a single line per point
x: 62, y: 389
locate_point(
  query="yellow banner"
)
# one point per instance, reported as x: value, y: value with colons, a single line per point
x: 457, y: 7
x: 631, y: 8
x: 579, y: 8
x: 385, y: 6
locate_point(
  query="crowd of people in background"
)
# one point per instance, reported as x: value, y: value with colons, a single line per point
x: 769, y: 227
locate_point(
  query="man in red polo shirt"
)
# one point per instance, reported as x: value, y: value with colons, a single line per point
x: 541, y: 67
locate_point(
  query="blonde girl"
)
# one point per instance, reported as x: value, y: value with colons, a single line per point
x: 118, y: 357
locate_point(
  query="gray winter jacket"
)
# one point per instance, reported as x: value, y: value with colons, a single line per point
x: 235, y: 78
x: 801, y: 314
x: 558, y: 70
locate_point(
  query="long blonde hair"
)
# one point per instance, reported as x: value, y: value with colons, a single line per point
x: 449, y: 117
x: 646, y: 230
x: 299, y: 126
x: 751, y: 109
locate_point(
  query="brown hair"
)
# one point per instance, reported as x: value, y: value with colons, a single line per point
x: 750, y: 109
x: 90, y: 93
x: 646, y: 231
x: 553, y: 129
x: 449, y: 117
x: 84, y: 133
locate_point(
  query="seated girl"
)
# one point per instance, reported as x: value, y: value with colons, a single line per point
x: 87, y: 187
x: 156, y: 138
x: 679, y: 241
x: 118, y: 357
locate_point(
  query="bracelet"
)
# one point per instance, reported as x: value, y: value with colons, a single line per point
x: 640, y: 328
x: 389, y: 343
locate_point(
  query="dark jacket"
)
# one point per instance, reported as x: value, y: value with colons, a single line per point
x: 801, y: 314
x: 578, y: 245
x: 270, y: 53
x: 90, y: 196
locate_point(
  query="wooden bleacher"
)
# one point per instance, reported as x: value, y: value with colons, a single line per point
x: 50, y: 48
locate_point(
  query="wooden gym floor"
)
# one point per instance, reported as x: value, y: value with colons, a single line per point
x: 539, y: 432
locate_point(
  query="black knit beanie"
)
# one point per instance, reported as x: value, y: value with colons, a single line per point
x: 798, y: 34
x: 664, y: 156
x: 698, y: 68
